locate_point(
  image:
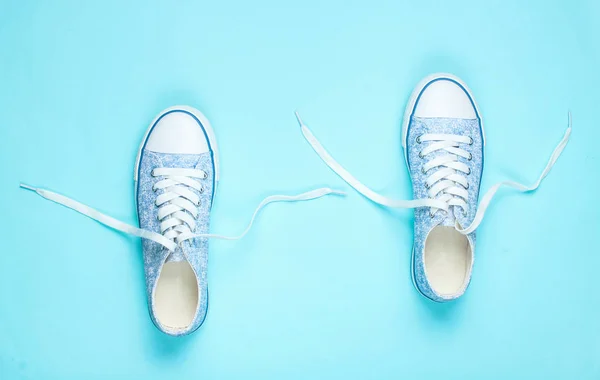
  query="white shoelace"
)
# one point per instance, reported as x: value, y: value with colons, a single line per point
x: 178, y: 207
x: 450, y: 171
x: 448, y: 180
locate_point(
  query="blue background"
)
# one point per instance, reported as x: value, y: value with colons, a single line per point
x: 319, y: 289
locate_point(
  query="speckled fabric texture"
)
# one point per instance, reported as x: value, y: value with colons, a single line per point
x: 424, y: 223
x: 195, y: 251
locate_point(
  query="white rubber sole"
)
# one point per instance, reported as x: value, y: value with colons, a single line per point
x: 412, y: 269
x: 210, y: 134
x: 408, y: 111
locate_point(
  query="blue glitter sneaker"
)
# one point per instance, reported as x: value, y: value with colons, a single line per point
x: 443, y: 140
x: 176, y: 176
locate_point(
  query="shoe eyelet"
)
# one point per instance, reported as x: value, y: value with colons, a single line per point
x: 421, y: 155
x: 205, y: 176
x: 418, y: 139
x: 201, y: 190
x: 423, y: 170
x: 469, y: 172
x: 470, y: 157
x: 152, y: 173
x: 157, y: 218
x: 427, y: 186
x: 467, y: 187
x: 471, y: 142
x: 431, y: 215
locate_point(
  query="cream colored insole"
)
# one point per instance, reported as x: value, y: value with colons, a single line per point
x: 176, y: 295
x: 447, y: 259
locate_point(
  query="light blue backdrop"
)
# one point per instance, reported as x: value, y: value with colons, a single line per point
x: 319, y: 290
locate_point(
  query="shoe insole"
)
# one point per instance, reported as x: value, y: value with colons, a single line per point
x: 447, y: 260
x: 176, y: 295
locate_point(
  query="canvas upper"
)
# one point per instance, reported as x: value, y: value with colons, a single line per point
x: 424, y: 222
x: 186, y: 124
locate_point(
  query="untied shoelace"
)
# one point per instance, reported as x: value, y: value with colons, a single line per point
x: 177, y: 207
x: 446, y: 183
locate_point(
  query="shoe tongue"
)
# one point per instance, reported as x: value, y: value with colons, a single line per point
x: 175, y: 256
x: 449, y: 220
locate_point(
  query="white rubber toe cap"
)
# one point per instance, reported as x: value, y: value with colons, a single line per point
x: 445, y: 98
x: 177, y: 132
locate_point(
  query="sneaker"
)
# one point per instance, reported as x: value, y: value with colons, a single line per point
x: 176, y: 177
x: 443, y: 141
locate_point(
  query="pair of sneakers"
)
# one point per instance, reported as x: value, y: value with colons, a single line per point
x: 177, y: 173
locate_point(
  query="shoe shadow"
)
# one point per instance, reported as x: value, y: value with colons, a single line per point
x: 438, y: 312
x: 159, y: 346
x: 165, y: 348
